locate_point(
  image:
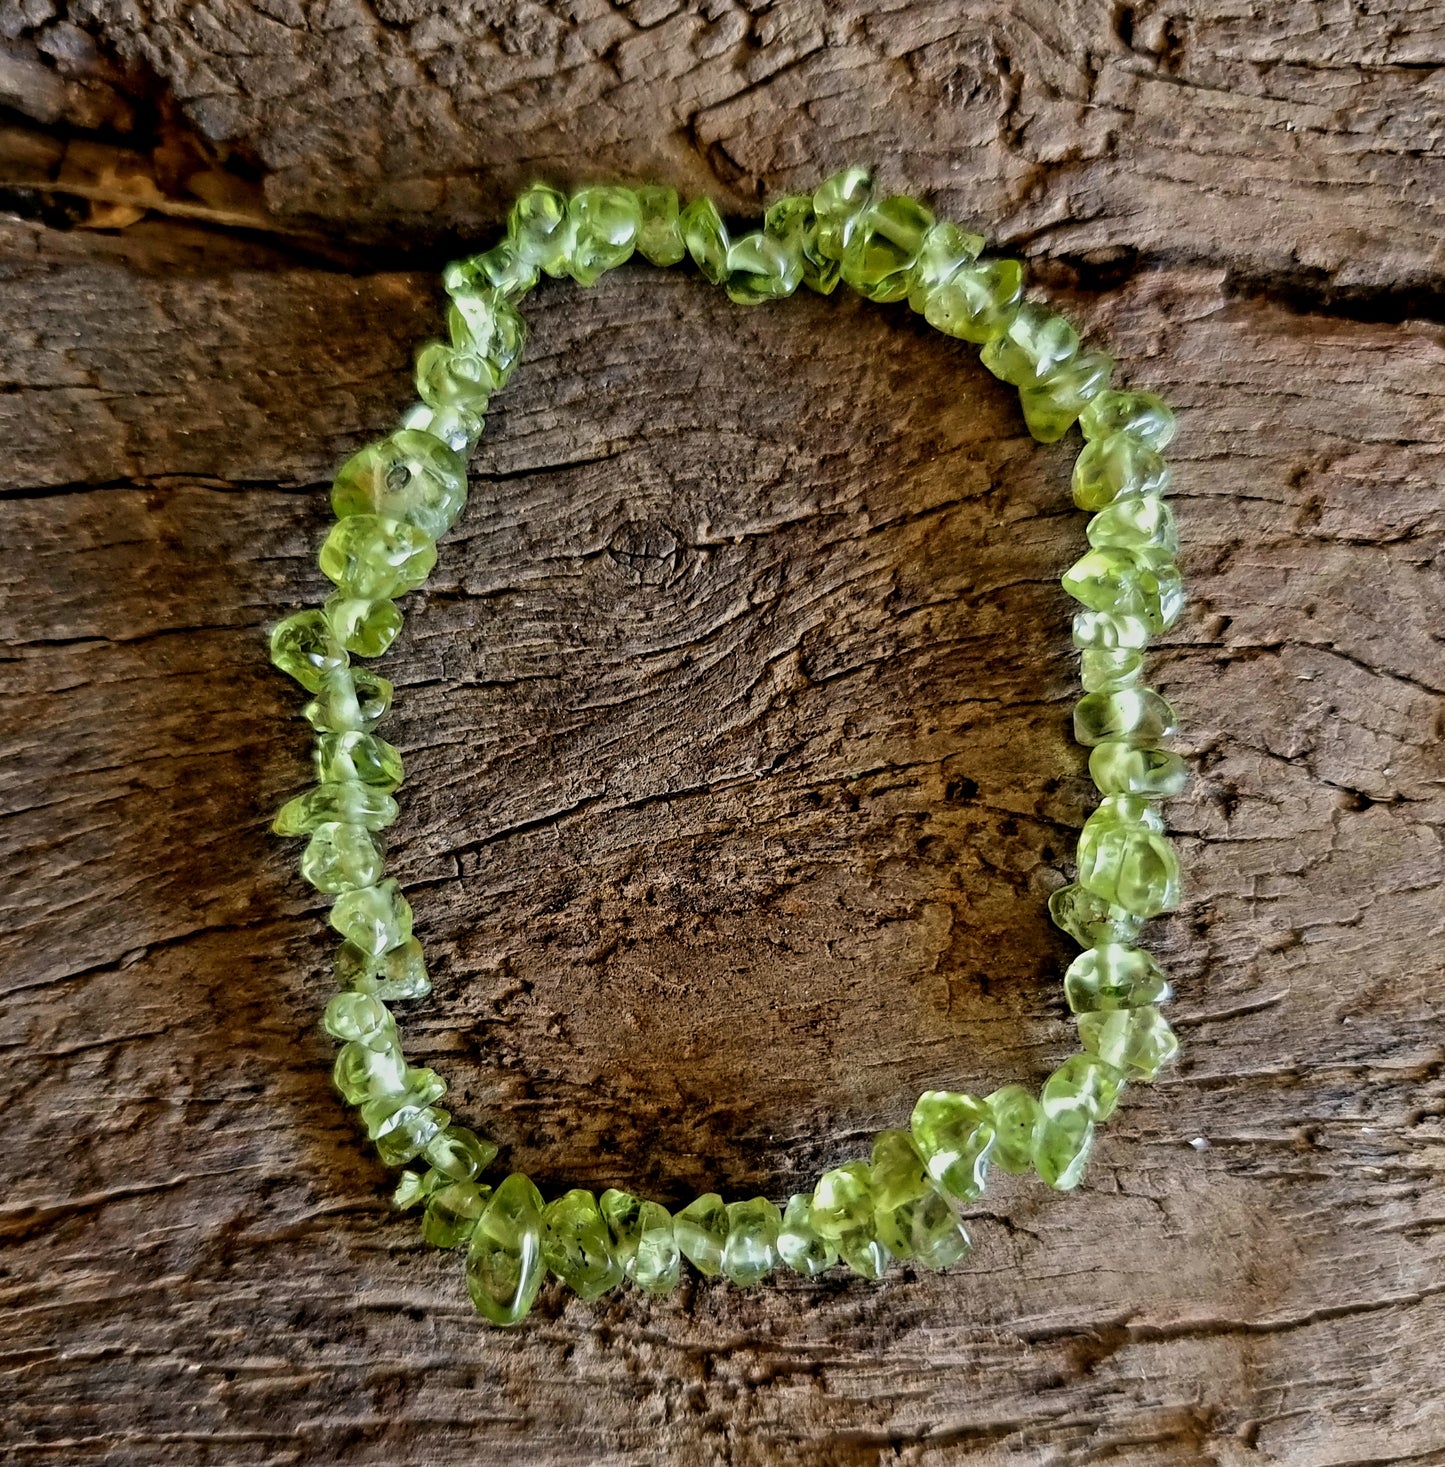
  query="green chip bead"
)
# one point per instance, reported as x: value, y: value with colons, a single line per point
x: 750, y: 1253
x: 1128, y: 582
x: 865, y: 1253
x: 701, y: 1230
x: 945, y: 248
x: 642, y: 1238
x: 374, y: 556
x: 1107, y: 669
x: 706, y: 238
x: 1138, y: 1041
x: 659, y: 234
x: 977, y: 301
x: 346, y: 804
x: 341, y: 857
x: 1133, y: 716
x: 1140, y: 522
x: 365, y: 628
x: 457, y: 425
x: 800, y: 1245
x: 1117, y: 467
x: 577, y: 1247
x: 761, y: 268
x: 487, y: 326
x: 927, y: 1230
x: 1032, y: 347
x: 1082, y: 1081
x: 358, y: 1017
x: 408, y: 476
x: 898, y: 1174
x: 504, y: 1257
x: 373, y: 918
x: 460, y: 1154
x: 349, y: 698
x: 793, y: 223
x: 399, y: 973
x: 839, y: 204
x: 1111, y: 976
x: 1108, y: 629
x: 1062, y: 1146
x: 414, y: 1187
x: 541, y: 229
x: 606, y: 220
x: 883, y: 246
x: 449, y: 379
x: 305, y: 647
x: 1118, y: 768
x: 1129, y: 866
x: 1141, y: 414
x: 1015, y: 1112
x: 1090, y: 920
x: 843, y: 1201
x: 502, y: 268
x: 955, y: 1136
x: 1051, y: 406
x: 360, y: 758
x: 366, y: 1071
x: 451, y: 1214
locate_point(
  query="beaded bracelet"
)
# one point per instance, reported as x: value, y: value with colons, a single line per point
x: 398, y: 496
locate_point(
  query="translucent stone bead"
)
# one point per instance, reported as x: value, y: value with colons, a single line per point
x: 373, y: 918
x: 701, y: 1230
x: 1051, y: 406
x: 1115, y: 468
x: 503, y: 267
x: 1138, y: 1041
x: 345, y: 804
x: 447, y: 378
x: 1014, y: 1111
x: 414, y: 1187
x: 800, y: 1245
x: 356, y: 757
x: 1131, y: 715
x: 898, y: 1174
x: 341, y: 858
x: 1114, y: 976
x: 1109, y: 629
x: 363, y: 1071
x: 1140, y: 414
x: 577, y: 1247
x: 1090, y: 920
x: 1129, y: 866
x: 642, y: 1237
x: 659, y: 238
x: 761, y: 268
x: 1033, y: 346
x: 843, y: 1201
x: 400, y: 973
x: 452, y: 1210
x: 1141, y: 522
x: 751, y: 1251
x: 865, y: 1253
x: 1118, y: 768
x: 607, y: 219
x: 927, y: 1230
x: 504, y: 1257
x: 303, y: 646
x: 357, y: 1016
x: 883, y: 246
x: 460, y: 428
x: 839, y: 204
x: 1082, y: 1081
x: 409, y: 476
x: 1062, y: 1144
x: 1128, y: 582
x: 793, y: 223
x: 955, y: 1136
x: 485, y: 325
x: 374, y: 556
x: 365, y: 628
x: 945, y: 248
x: 706, y: 238
x: 541, y: 229
x: 460, y: 1154
x: 1107, y: 669
x: 977, y: 301
x: 349, y: 698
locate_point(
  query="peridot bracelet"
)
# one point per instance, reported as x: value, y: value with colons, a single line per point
x: 398, y: 496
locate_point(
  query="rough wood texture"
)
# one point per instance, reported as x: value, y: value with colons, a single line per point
x: 737, y: 728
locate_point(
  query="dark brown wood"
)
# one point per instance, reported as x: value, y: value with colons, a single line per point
x: 736, y: 721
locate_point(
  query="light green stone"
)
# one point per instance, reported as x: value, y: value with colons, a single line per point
x: 607, y: 219
x: 927, y: 1230
x: 485, y: 325
x: 1083, y: 1080
x: 373, y: 918
x: 751, y: 1251
x: 577, y: 1247
x: 349, y: 698
x: 843, y: 1201
x: 373, y: 556
x: 305, y: 647
x: 358, y: 1016
x: 1117, y: 767
x: 1128, y: 582
x: 1062, y: 1145
x: 1114, y: 976
x: 793, y: 223
x: 706, y: 238
x: 346, y: 804
x: 882, y: 247
x: 361, y: 758
x: 502, y: 268
x: 955, y: 1136
x: 1115, y: 468
x: 1032, y: 347
x: 1134, y: 716
x: 409, y: 476
x: 945, y: 248
x: 396, y: 1118
x: 365, y: 628
x: 1108, y: 629
x: 541, y: 229
x: 451, y: 379
x: 1129, y: 866
x: 659, y: 238
x: 898, y: 1174
x: 1138, y: 1041
x: 1089, y: 919
x: 504, y: 1257
x: 399, y: 973
x: 1107, y: 669
x: 341, y: 858
x: 1051, y: 406
x: 1141, y: 414
x: 977, y: 301
x: 1140, y: 522
x: 701, y: 1230
x: 1014, y: 1111
x: 460, y: 1154
x: 414, y: 1187
x: 800, y: 1245
x: 839, y: 204
x: 365, y: 1071
x: 761, y: 268
x: 459, y: 427
x: 865, y: 1253
x: 642, y: 1237
x: 452, y: 1211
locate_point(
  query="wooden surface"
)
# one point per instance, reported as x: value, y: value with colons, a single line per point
x: 736, y: 719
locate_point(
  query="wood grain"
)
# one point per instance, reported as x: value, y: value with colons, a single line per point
x: 736, y: 720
